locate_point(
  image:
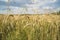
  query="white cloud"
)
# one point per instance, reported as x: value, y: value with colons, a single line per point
x: 10, y: 0
x: 38, y: 3
x: 32, y: 8
x: 34, y: 1
x: 16, y: 10
x: 47, y: 7
x: 22, y: 10
x: 53, y: 1
x: 4, y: 0
x: 43, y: 1
x: 16, y: 0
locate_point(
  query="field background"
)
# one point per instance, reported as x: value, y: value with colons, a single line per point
x: 30, y: 27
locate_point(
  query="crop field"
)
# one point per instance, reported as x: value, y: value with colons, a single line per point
x: 30, y: 27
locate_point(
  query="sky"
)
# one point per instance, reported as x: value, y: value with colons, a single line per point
x: 29, y: 6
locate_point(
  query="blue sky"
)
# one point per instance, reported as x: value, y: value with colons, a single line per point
x: 30, y: 6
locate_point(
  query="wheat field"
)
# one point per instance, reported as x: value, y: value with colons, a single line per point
x: 30, y: 27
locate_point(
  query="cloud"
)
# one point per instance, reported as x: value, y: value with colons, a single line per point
x: 38, y: 3
x: 47, y: 7
x: 15, y: 10
x: 43, y: 1
x: 4, y: 0
x: 32, y: 6
x: 30, y: 3
x: 53, y: 1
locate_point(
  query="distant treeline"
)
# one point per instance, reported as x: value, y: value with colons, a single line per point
x: 58, y: 13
